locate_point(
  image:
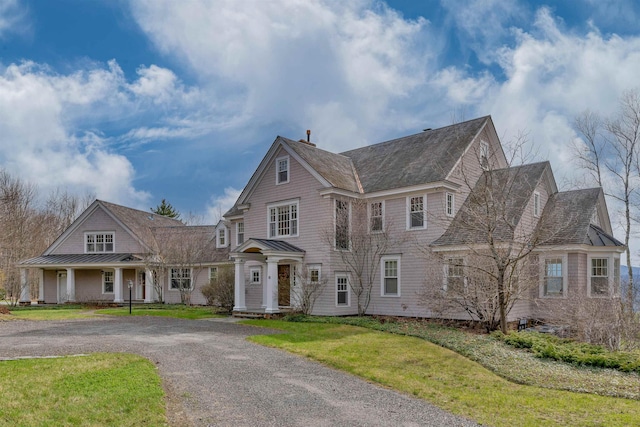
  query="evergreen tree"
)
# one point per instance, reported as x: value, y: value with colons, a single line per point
x: 165, y: 209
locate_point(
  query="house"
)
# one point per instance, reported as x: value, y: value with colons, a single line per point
x: 299, y: 209
x: 111, y: 247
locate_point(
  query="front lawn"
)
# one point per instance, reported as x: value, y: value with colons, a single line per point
x: 445, y: 378
x: 49, y: 312
x: 164, y: 310
x: 95, y: 390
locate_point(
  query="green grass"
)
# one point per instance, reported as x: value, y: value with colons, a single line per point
x: 95, y: 390
x: 77, y: 311
x: 445, y: 378
x: 168, y: 310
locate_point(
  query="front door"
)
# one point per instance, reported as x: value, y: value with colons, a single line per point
x: 62, y: 288
x: 284, y: 285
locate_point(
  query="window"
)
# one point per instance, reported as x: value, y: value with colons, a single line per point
x: 390, y: 276
x: 375, y: 216
x: 484, y: 155
x: 416, y: 212
x: 282, y: 170
x: 255, y: 274
x: 536, y: 204
x: 180, y: 278
x: 107, y: 282
x: 98, y: 242
x: 599, y: 277
x: 213, y: 273
x: 283, y: 220
x: 449, y: 205
x: 314, y: 273
x: 240, y: 233
x: 222, y: 237
x: 342, y: 225
x: 553, y: 277
x: 455, y: 276
x: 342, y: 290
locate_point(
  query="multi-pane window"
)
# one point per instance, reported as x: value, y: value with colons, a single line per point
x: 240, y: 232
x: 376, y: 216
x: 213, y: 273
x: 282, y: 170
x: 416, y: 212
x: 98, y: 242
x: 553, y: 277
x: 342, y: 290
x: 455, y: 275
x: 484, y: 154
x: 222, y: 237
x: 342, y: 224
x: 599, y: 276
x: 314, y: 274
x: 283, y: 220
x: 107, y: 282
x: 390, y: 276
x: 536, y: 204
x: 449, y: 205
x: 255, y: 274
x: 180, y: 278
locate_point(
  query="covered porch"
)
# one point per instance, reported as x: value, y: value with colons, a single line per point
x: 279, y: 260
x: 105, y: 278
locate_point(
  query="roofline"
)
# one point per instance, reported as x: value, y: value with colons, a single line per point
x: 428, y: 187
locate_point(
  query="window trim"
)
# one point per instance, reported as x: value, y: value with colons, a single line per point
x: 171, y: 288
x: 288, y: 160
x: 424, y: 212
x: 381, y: 230
x: 449, y: 203
x: 383, y: 276
x: 543, y: 275
x: 225, y: 236
x: 537, y: 204
x: 609, y: 276
x: 255, y: 269
x: 335, y: 225
x: 213, y: 276
x: 347, y: 290
x: 289, y: 203
x: 238, y: 233
x: 315, y: 267
x: 104, y: 282
x: 446, y: 265
x: 98, y: 233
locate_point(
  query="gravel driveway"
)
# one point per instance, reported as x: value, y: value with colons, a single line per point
x: 213, y: 376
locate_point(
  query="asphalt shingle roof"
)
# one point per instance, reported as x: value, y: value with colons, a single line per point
x: 497, y: 202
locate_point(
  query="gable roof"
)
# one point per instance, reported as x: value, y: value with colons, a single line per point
x: 135, y: 222
x: 422, y: 158
x: 425, y: 157
x: 506, y: 193
x: 568, y: 214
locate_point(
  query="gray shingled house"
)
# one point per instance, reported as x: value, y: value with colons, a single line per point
x: 423, y: 190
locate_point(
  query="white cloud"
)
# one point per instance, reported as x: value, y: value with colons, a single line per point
x: 13, y: 17
x: 294, y: 61
x: 46, y: 123
x: 219, y: 204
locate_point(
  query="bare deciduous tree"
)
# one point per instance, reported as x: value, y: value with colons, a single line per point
x: 307, y: 288
x: 220, y: 290
x: 360, y: 239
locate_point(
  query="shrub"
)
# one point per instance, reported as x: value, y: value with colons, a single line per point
x: 220, y: 291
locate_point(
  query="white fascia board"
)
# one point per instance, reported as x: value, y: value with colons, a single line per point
x: 580, y: 248
x: 431, y: 187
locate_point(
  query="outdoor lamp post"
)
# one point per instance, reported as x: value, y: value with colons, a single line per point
x: 130, y: 284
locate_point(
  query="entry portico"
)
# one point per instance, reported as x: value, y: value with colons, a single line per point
x: 281, y: 260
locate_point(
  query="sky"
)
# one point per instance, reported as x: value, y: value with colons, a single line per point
x: 139, y: 100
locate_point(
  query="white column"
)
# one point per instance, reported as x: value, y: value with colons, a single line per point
x: 264, y: 287
x: 239, y: 303
x: 149, y: 288
x: 41, y: 286
x: 117, y: 285
x: 71, y: 285
x: 272, y: 286
x: 25, y: 297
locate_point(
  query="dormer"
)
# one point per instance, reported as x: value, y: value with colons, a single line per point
x: 222, y: 235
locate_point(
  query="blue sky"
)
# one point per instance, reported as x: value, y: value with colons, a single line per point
x: 141, y: 100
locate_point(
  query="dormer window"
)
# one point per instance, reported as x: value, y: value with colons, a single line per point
x: 221, y: 241
x: 282, y: 170
x: 96, y: 243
